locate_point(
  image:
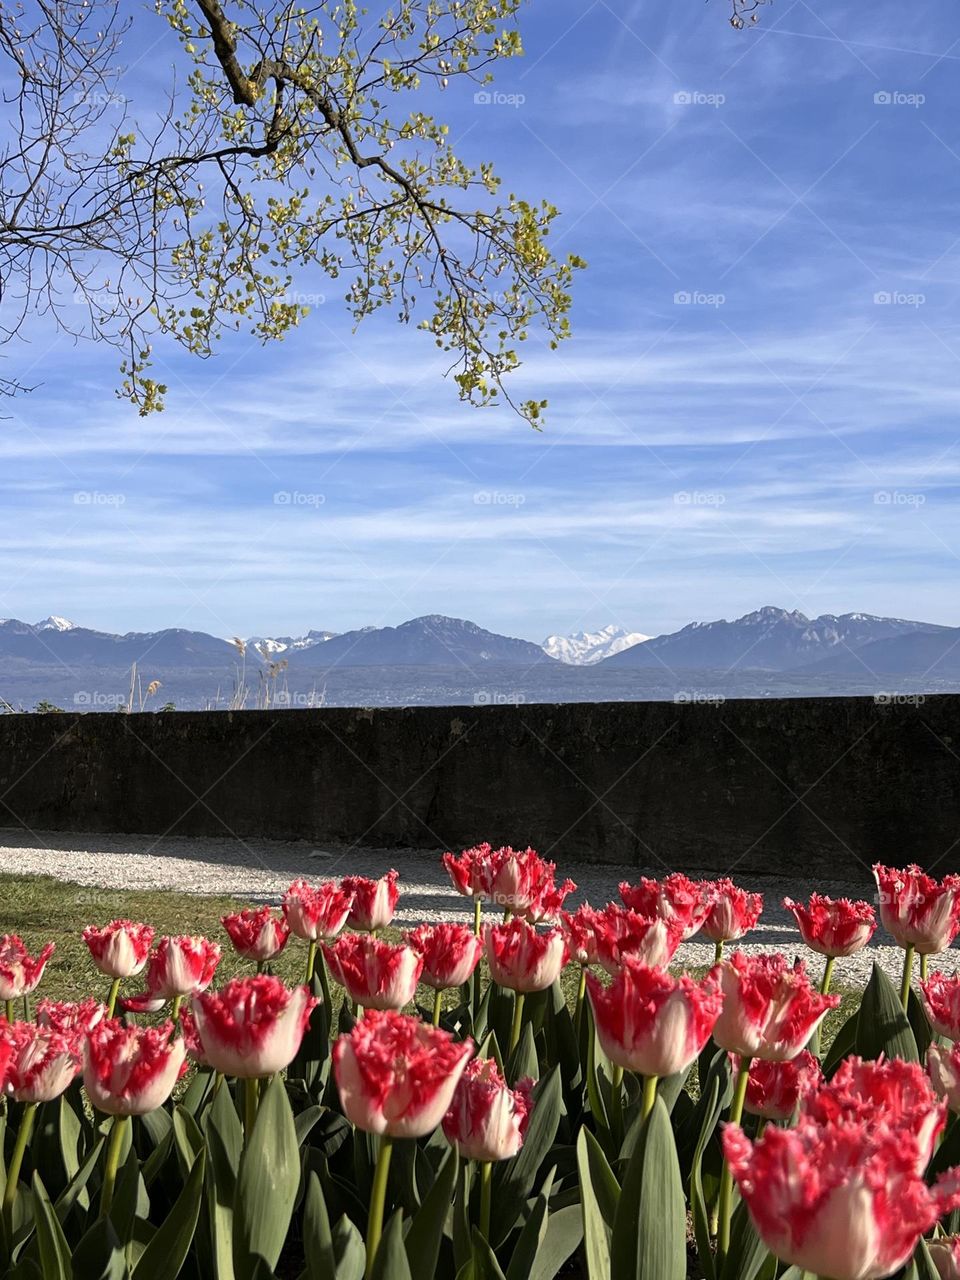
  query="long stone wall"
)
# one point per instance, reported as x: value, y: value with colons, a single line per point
x: 819, y: 786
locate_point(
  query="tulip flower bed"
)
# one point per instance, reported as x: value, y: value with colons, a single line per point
x: 532, y: 1092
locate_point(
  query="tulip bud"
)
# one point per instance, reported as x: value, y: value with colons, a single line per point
x: 776, y: 1089
x: 941, y: 1000
x: 522, y: 959
x: 916, y: 910
x: 42, y: 1062
x: 676, y: 899
x: 316, y: 914
x: 733, y: 911
x: 621, y: 933
x: 450, y: 953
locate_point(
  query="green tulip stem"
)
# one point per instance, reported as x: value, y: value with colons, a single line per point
x: 907, y: 975
x: 649, y: 1095
x: 827, y: 975
x: 437, y: 1002
x: 13, y: 1169
x: 581, y: 995
x: 378, y: 1196
x: 251, y: 1101
x: 10, y: 1011
x: 477, y: 916
x: 726, y: 1177
x: 112, y: 997
x: 923, y: 968
x: 718, y: 951
x: 616, y: 1103
x: 26, y: 1008
x: 311, y: 962
x: 517, y: 1020
x: 114, y: 1143
x: 486, y: 1182
x: 175, y: 1011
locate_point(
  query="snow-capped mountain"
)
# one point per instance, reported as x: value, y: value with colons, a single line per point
x: 272, y: 646
x: 583, y: 648
x: 54, y: 623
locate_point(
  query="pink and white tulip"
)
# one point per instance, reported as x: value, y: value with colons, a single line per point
x: 42, y: 1062
x: 128, y: 1071
x: 521, y: 958
x: 776, y: 1089
x: 20, y: 973
x: 316, y: 913
x: 941, y: 1000
x: 945, y: 1254
x: 917, y: 910
x: 120, y: 948
x: 770, y: 1010
x: 376, y: 974
x: 840, y: 1200
x: 650, y: 1022
x: 396, y: 1075
x: 68, y: 1016
x: 733, y: 911
x: 256, y: 933
x: 676, y: 899
x: 943, y: 1066
x: 621, y: 934
x: 251, y: 1027
x: 374, y: 901
x: 487, y: 1120
x: 833, y: 926
x: 450, y: 953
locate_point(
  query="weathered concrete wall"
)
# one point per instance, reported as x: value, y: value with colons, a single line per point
x: 824, y: 786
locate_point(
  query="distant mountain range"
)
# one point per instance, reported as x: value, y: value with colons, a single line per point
x: 439, y: 659
x: 584, y: 648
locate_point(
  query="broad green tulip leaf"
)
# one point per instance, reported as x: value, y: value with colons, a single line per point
x: 223, y: 1148
x: 596, y: 1233
x: 76, y: 1191
x: 52, y: 1244
x: 649, y: 1234
x: 99, y: 1254
x: 844, y: 1043
x: 606, y: 1188
x: 267, y: 1183
x: 514, y: 1179
x: 426, y: 1230
x: 561, y: 1238
x: 187, y: 1138
x: 882, y: 1026
x: 167, y: 1250
x: 919, y: 1024
x: 126, y: 1197
x: 317, y: 1236
x: 523, y: 1061
x: 528, y: 1243
x: 485, y: 1265
x: 197, y: 1092
x: 391, y: 1262
x: 462, y: 1248
x: 348, y: 1247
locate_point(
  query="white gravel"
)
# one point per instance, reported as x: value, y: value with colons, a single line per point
x: 259, y: 870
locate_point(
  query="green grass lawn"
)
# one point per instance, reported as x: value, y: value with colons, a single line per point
x: 42, y: 909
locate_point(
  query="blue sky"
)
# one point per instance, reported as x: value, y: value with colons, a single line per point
x: 759, y: 404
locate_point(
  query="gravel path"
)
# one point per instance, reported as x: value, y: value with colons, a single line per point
x: 261, y: 869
